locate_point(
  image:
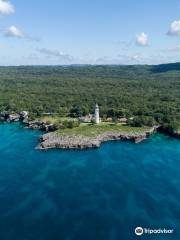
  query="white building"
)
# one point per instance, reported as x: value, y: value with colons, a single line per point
x: 96, y: 114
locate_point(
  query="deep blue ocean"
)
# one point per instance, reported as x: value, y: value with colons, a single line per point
x: 99, y: 194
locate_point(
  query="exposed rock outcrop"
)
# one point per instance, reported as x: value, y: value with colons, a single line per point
x: 169, y: 131
x: 53, y: 140
x: 40, y: 125
x: 14, y: 117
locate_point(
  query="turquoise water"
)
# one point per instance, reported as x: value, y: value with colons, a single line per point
x: 98, y: 194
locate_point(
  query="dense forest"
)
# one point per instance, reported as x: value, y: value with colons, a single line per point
x: 149, y: 93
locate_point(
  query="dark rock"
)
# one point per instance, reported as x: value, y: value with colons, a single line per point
x: 13, y: 117
x: 23, y: 115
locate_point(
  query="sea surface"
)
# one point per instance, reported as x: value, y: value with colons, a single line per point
x: 100, y: 194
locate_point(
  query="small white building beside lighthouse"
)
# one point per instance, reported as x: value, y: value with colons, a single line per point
x: 96, y: 114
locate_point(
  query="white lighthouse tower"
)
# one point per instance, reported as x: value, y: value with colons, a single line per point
x: 96, y: 114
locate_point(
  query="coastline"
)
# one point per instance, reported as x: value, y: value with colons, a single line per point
x: 52, y: 140
x: 71, y: 139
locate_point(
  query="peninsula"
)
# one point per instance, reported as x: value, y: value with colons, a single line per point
x: 91, y: 137
x: 80, y: 133
x: 132, y: 102
x: 89, y: 132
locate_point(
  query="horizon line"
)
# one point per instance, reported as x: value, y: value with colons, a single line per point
x: 77, y: 64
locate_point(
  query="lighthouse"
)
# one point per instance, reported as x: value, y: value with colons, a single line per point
x: 96, y: 114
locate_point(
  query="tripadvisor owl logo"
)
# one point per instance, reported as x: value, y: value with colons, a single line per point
x: 139, y: 231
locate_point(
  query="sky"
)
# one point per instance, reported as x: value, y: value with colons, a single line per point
x: 61, y: 32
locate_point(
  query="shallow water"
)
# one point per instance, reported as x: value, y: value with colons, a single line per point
x: 98, y: 194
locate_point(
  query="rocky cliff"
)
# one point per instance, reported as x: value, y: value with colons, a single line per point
x: 54, y: 140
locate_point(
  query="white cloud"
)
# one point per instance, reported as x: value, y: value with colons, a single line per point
x: 121, y: 59
x: 174, y: 28
x: 142, y: 39
x: 172, y: 49
x: 13, y: 31
x: 56, y: 53
x: 135, y: 57
x: 6, y: 8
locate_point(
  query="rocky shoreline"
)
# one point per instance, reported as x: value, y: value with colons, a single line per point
x: 52, y: 140
x: 24, y: 118
x: 40, y: 125
x: 14, y: 117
